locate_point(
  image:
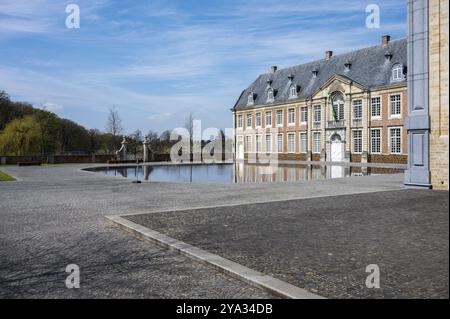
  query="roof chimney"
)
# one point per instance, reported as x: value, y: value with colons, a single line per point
x: 328, y: 55
x: 274, y: 68
x: 385, y: 39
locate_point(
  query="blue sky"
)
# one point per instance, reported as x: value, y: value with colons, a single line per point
x: 156, y: 61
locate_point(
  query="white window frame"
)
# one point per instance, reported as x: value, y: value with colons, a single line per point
x: 268, y: 149
x: 258, y: 116
x: 249, y: 143
x: 357, y: 103
x: 317, y: 147
x: 395, y: 116
x: 305, y: 150
x: 390, y: 139
x: 250, y: 99
x: 376, y: 117
x: 291, y: 116
x: 360, y: 144
x: 248, y: 117
x: 293, y: 91
x: 258, y: 143
x: 276, y: 118
x: 278, y: 142
x: 397, y: 73
x: 317, y: 111
x: 291, y: 135
x: 304, y: 114
x: 240, y: 121
x: 268, y: 115
x: 270, y: 95
x: 372, y: 138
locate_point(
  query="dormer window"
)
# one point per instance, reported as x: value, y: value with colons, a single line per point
x: 270, y: 95
x: 397, y: 72
x: 347, y: 65
x: 250, y: 99
x: 387, y: 57
x: 315, y: 72
x: 293, y: 91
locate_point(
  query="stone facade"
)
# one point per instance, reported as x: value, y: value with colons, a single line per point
x: 438, y: 93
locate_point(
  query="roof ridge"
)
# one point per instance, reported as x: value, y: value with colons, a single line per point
x: 334, y: 56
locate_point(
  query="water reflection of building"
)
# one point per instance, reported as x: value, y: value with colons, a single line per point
x: 256, y: 173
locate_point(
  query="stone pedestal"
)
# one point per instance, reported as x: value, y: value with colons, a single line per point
x: 146, y: 150
x: 323, y: 156
x: 364, y: 157
x: 122, y: 152
x: 347, y: 156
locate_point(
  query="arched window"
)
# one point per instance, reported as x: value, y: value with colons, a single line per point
x: 338, y: 107
x: 397, y: 72
x: 250, y: 99
x: 270, y: 95
x: 293, y: 91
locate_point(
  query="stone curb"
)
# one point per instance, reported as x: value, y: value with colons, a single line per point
x: 235, y: 270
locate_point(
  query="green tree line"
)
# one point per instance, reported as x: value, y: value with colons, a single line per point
x: 25, y: 130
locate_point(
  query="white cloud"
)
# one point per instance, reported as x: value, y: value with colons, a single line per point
x: 157, y: 62
x: 50, y: 106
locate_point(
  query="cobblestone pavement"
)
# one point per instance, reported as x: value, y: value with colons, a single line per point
x: 54, y: 216
x: 325, y: 244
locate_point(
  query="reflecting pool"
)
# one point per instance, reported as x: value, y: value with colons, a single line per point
x: 239, y: 172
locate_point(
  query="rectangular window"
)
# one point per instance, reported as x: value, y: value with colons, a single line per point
x: 304, y: 114
x: 249, y: 120
x: 341, y: 112
x: 249, y: 143
x: 291, y: 116
x: 396, y: 105
x: 338, y: 111
x: 258, y: 143
x: 258, y: 119
x: 268, y: 143
x: 317, y: 114
x: 357, y: 141
x: 240, y: 121
x: 268, y: 119
x: 280, y: 142
x: 280, y: 117
x: 303, y: 142
x: 375, y: 141
x: 395, y: 140
x: 357, y: 109
x: 316, y: 142
x: 376, y: 107
x: 291, y: 142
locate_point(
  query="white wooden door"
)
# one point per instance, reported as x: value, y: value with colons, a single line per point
x: 336, y: 151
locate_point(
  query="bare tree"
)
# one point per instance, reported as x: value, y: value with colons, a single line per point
x: 152, y: 138
x: 114, y: 125
x: 3, y: 96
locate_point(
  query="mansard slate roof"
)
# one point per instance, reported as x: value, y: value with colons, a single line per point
x: 368, y: 68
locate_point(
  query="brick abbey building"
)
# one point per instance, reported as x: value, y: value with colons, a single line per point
x: 348, y: 107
